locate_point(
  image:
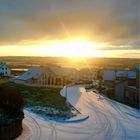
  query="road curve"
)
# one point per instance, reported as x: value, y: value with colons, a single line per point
x: 108, y: 120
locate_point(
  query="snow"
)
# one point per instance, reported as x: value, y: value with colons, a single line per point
x: 54, y: 114
x: 36, y: 71
x: 108, y: 120
x: 121, y: 73
x: 132, y: 74
x: 33, y: 72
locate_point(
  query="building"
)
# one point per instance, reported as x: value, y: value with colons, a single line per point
x: 51, y: 76
x: 132, y: 92
x: 132, y: 78
x: 109, y: 77
x: 119, y: 89
x: 124, y: 86
x: 138, y: 76
x: 121, y: 75
x: 132, y: 96
x: 4, y: 70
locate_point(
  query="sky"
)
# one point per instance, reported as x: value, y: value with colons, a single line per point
x: 82, y: 28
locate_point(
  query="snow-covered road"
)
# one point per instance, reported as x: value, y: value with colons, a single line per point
x: 108, y: 120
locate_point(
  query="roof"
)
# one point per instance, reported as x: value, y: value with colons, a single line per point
x: 112, y: 74
x: 109, y: 75
x: 132, y: 74
x: 33, y: 72
x: 121, y: 73
x: 61, y: 71
x: 2, y: 64
x: 36, y: 72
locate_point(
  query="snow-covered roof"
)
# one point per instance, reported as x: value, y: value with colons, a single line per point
x: 2, y: 64
x: 132, y: 74
x: 109, y: 75
x: 33, y: 72
x: 121, y: 73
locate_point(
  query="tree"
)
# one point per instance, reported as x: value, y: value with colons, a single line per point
x: 11, y: 101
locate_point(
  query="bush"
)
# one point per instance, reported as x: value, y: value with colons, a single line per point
x: 11, y: 101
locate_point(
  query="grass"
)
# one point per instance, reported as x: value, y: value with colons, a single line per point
x: 34, y: 96
x: 4, y: 80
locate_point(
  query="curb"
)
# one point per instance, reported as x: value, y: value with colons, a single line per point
x: 83, y: 118
x: 77, y: 119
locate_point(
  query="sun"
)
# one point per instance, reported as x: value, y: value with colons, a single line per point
x: 77, y: 48
x: 73, y: 48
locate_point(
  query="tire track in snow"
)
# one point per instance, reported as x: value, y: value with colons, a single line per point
x: 35, y: 127
x: 111, y: 130
x: 104, y: 126
x: 53, y: 135
x: 104, y: 123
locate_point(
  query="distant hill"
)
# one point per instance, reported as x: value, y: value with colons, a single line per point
x: 116, y: 63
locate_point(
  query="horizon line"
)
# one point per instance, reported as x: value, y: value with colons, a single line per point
x: 72, y: 57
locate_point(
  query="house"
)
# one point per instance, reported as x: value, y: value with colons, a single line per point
x: 123, y: 85
x: 137, y: 68
x: 132, y: 92
x: 132, y: 96
x: 4, y: 70
x: 121, y: 75
x: 131, y: 78
x: 119, y: 89
x: 109, y: 77
x: 50, y: 76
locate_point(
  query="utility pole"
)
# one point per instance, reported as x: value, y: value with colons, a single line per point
x: 100, y: 82
x: 100, y: 85
x: 66, y: 93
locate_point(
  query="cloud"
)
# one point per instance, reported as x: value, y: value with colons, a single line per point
x: 115, y: 22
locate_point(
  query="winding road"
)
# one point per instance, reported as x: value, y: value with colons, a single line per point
x: 108, y: 120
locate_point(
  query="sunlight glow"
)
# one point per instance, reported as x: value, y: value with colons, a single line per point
x: 61, y: 48
x: 75, y: 48
x: 54, y: 51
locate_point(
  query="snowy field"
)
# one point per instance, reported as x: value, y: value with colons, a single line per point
x: 108, y: 120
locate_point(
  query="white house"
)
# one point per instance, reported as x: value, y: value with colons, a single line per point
x: 51, y: 76
x: 4, y: 70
